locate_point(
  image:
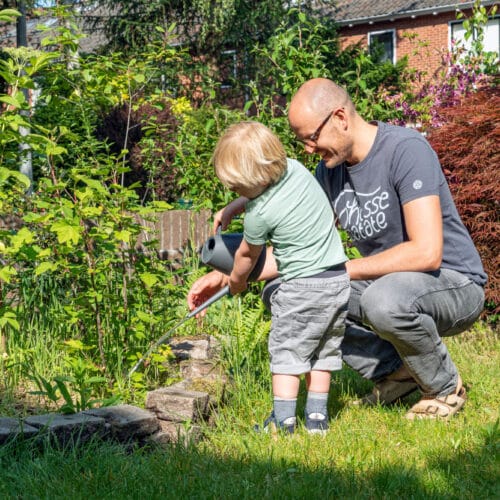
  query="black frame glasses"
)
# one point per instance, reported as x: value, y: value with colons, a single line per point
x: 315, y: 136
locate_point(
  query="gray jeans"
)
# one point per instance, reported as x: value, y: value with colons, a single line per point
x: 401, y: 317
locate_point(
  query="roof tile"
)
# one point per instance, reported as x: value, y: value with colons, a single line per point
x: 347, y: 10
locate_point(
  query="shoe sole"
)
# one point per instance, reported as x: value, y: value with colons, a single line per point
x: 321, y: 432
x: 373, y: 400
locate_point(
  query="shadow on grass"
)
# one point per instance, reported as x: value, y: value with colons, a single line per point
x: 100, y: 470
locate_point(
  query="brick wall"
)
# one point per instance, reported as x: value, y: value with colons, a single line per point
x: 424, y: 51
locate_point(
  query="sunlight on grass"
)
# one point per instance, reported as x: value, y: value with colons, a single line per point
x: 368, y: 452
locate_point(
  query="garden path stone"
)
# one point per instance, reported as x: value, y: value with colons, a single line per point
x: 12, y: 428
x: 126, y: 422
x: 78, y: 427
x: 177, y: 404
x: 198, y: 368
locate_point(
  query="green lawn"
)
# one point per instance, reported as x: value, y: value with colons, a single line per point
x: 368, y: 453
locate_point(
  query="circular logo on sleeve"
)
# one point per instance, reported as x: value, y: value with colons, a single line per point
x: 417, y: 184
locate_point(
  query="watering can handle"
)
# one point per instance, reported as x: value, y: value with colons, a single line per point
x: 210, y: 301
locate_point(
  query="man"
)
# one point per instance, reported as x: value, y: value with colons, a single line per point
x: 420, y: 277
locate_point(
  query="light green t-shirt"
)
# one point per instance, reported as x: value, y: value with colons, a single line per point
x: 296, y: 217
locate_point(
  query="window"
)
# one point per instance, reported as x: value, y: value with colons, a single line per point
x: 383, y: 43
x: 491, y: 35
x: 228, y: 68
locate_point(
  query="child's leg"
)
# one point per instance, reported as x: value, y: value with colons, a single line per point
x: 285, y: 391
x: 318, y: 381
x: 318, y: 386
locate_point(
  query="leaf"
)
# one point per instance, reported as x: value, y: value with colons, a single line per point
x: 8, y: 15
x: 9, y: 317
x: 123, y: 235
x: 60, y: 381
x: 147, y: 318
x: 66, y: 233
x: 52, y: 149
x: 6, y: 273
x: 11, y: 101
x: 44, y: 267
x: 149, y: 279
x: 75, y: 344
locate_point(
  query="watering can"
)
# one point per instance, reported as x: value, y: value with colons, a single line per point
x: 218, y: 253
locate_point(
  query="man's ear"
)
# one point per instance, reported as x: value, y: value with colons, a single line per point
x: 340, y: 114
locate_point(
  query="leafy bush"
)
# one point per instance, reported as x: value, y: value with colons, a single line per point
x: 467, y: 146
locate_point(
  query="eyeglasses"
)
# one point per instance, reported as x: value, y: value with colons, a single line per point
x: 315, y: 136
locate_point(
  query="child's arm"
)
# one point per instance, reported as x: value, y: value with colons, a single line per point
x: 244, y: 261
x: 223, y: 217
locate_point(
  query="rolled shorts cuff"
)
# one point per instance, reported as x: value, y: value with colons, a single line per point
x: 327, y: 365
x: 298, y: 369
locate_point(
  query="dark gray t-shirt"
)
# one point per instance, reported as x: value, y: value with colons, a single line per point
x: 367, y: 198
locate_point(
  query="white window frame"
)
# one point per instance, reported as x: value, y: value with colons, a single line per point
x: 381, y: 32
x: 466, y: 43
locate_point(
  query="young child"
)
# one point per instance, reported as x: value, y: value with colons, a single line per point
x: 285, y: 205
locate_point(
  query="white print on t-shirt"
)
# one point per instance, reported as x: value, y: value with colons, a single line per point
x: 362, y: 215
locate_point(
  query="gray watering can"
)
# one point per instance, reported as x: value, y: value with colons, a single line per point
x: 218, y: 253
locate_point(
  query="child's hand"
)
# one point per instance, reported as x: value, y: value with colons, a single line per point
x: 224, y: 216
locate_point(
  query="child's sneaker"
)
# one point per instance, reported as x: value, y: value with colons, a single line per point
x: 316, y: 423
x: 272, y: 425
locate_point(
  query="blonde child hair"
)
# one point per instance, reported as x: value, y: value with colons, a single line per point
x: 250, y: 156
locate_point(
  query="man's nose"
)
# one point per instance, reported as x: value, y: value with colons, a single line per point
x: 309, y: 148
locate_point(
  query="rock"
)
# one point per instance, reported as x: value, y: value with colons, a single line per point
x: 177, y: 404
x: 176, y: 432
x: 203, y: 347
x: 77, y: 428
x: 197, y: 368
x: 13, y: 428
x: 126, y: 422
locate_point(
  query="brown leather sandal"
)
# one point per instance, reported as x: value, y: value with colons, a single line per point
x: 388, y: 392
x: 441, y: 408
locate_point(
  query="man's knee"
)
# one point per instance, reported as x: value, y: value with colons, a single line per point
x: 383, y: 309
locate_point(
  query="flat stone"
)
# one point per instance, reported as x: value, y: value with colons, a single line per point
x: 13, y: 428
x: 66, y: 428
x: 203, y: 347
x: 126, y: 422
x: 198, y: 368
x: 177, y: 404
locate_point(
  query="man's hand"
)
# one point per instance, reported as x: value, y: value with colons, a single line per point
x: 204, y: 287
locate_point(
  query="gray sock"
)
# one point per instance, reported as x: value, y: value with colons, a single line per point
x: 317, y: 402
x: 284, y: 409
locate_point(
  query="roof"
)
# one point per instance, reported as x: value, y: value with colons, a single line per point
x: 362, y: 11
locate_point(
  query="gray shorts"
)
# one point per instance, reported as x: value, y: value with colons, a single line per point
x: 308, y: 322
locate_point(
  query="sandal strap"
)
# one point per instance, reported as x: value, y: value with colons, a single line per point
x: 440, y: 407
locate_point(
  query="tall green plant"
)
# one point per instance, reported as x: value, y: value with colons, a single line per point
x: 296, y: 52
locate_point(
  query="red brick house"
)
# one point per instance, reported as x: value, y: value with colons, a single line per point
x: 421, y: 30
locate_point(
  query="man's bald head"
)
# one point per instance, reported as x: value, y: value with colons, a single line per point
x: 319, y: 94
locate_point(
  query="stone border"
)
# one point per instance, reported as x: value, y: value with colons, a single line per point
x: 172, y: 414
